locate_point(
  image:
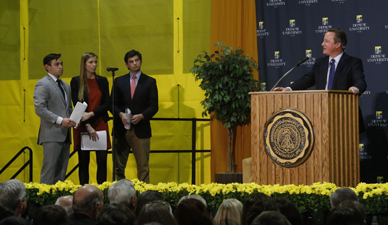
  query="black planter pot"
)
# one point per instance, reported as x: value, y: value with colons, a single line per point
x: 227, y: 178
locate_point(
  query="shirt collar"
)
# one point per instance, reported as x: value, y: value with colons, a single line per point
x: 337, y: 58
x: 52, y: 76
x: 137, y: 75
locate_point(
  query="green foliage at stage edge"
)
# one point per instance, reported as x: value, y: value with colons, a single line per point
x: 226, y: 77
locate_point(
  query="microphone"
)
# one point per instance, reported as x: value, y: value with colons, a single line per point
x: 302, y: 61
x: 110, y: 69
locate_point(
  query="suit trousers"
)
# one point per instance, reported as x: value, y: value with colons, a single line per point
x: 140, y: 149
x: 55, y: 161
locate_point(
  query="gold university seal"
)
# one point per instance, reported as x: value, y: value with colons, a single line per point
x: 289, y: 138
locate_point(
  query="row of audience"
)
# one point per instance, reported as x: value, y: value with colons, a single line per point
x: 87, y: 207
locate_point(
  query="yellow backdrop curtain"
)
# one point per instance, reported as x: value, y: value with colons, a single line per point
x: 234, y: 22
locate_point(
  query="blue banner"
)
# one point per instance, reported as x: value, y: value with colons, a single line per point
x: 290, y: 30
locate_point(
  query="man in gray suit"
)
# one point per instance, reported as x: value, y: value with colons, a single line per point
x: 52, y: 100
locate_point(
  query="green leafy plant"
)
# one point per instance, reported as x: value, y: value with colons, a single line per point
x: 226, y: 77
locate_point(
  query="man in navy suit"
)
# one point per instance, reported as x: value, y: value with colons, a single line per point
x: 137, y: 92
x: 348, y: 75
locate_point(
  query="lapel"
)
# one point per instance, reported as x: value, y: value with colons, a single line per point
x: 322, y: 70
x: 340, y: 68
x: 59, y: 92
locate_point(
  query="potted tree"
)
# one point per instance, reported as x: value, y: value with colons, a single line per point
x: 226, y: 77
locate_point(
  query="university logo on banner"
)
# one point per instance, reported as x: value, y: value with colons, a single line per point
x: 275, y: 3
x: 378, y: 57
x: 292, y: 30
x: 262, y: 32
x: 277, y: 61
x: 363, y: 153
x: 311, y: 61
x: 263, y: 86
x: 322, y: 29
x: 379, y: 121
x: 307, y: 2
x: 379, y: 115
x: 359, y: 26
x: 339, y: 1
x: 277, y: 54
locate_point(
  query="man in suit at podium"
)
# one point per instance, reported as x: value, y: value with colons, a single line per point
x: 336, y: 71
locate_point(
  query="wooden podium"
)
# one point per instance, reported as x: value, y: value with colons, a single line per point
x: 335, y: 152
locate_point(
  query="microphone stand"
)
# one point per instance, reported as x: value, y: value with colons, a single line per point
x: 302, y: 61
x: 113, y: 133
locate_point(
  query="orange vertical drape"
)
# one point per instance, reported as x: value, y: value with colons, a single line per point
x: 234, y: 22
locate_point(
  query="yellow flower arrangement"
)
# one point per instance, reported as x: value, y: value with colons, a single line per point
x: 307, y: 198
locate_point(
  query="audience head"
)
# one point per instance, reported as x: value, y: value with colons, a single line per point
x: 255, y: 205
x: 66, y: 202
x: 88, y: 200
x: 347, y: 213
x: 157, y: 211
x: 50, y: 214
x: 198, y: 197
x: 13, y: 196
x: 115, y: 214
x: 270, y: 218
x: 289, y: 210
x: 14, y: 220
x: 146, y: 197
x: 192, y: 212
x: 341, y: 195
x: 229, y: 213
x: 123, y: 191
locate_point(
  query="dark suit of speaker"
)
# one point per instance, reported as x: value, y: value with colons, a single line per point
x: 349, y: 72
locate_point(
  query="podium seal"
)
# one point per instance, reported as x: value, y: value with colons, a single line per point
x: 289, y: 138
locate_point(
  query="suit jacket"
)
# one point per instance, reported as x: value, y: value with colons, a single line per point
x: 103, y: 85
x: 145, y: 101
x: 49, y: 105
x: 349, y: 73
x: 79, y: 219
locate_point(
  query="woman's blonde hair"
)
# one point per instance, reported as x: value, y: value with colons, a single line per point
x: 229, y: 212
x: 82, y: 75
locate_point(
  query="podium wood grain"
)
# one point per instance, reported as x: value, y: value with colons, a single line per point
x: 335, y: 154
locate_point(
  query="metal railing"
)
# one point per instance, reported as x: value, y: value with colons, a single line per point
x: 193, y: 150
x: 29, y: 162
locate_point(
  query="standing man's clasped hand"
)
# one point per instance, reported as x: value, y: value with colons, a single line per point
x: 136, y: 118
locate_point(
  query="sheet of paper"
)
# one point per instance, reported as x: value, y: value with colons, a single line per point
x: 128, y: 115
x: 89, y: 145
x: 78, y: 111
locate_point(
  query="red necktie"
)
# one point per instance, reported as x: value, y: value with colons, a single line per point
x: 133, y: 86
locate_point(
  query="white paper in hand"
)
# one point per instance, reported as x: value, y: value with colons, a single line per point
x: 89, y: 145
x: 78, y: 111
x: 128, y: 115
